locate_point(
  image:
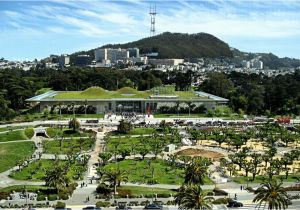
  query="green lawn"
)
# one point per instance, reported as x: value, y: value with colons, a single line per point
x: 125, y: 92
x: 13, y: 136
x: 136, y: 131
x: 56, y: 132
x: 36, y: 171
x: 11, y: 153
x: 134, y: 142
x: 9, y: 128
x: 136, y: 190
x: 66, y: 145
x: 260, y: 179
x: 175, y: 115
x: 139, y: 171
x: 68, y: 116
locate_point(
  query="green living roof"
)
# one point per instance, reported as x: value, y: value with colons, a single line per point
x: 125, y: 92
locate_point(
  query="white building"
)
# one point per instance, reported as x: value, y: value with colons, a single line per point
x: 257, y: 64
x: 113, y: 55
x: 166, y: 62
x: 64, y: 60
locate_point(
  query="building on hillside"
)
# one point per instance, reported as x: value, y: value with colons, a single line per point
x: 64, y: 60
x: 166, y: 62
x: 246, y: 64
x: 83, y: 60
x: 257, y: 64
x: 113, y: 55
x: 127, y: 99
x: 134, y: 52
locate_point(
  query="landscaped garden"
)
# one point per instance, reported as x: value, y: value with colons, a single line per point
x: 136, y: 131
x: 13, y: 153
x: 57, y: 132
x: 151, y: 171
x: 68, y: 145
x: 36, y: 171
x: 17, y: 135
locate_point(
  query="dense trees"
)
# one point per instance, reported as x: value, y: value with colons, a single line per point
x: 257, y: 94
x: 251, y: 94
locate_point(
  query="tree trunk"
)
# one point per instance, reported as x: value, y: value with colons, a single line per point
x: 115, y: 188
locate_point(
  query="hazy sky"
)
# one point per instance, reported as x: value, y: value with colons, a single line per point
x: 36, y: 29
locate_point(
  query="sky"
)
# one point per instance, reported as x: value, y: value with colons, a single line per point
x: 36, y: 29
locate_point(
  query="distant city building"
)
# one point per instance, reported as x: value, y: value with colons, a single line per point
x: 166, y: 62
x: 134, y: 52
x: 246, y: 64
x: 83, y: 60
x: 254, y: 63
x: 113, y: 55
x: 257, y: 64
x: 64, y: 60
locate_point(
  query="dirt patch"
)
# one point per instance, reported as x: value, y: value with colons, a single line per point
x: 200, y: 152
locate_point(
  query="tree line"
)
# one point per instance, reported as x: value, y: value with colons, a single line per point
x: 248, y: 93
x: 256, y: 93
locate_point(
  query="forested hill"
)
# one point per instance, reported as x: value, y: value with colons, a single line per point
x: 178, y: 45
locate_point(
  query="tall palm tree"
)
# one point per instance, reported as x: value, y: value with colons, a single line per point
x: 271, y: 194
x: 115, y: 177
x: 196, y: 171
x: 57, y: 177
x: 192, y: 197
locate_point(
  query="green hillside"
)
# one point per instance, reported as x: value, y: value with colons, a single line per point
x: 178, y: 45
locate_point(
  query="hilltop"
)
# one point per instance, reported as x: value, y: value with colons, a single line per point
x: 179, y: 45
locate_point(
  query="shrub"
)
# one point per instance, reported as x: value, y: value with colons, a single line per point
x: 102, y: 204
x: 124, y: 192
x: 220, y: 201
x: 73, y: 185
x: 29, y: 132
x: 64, y: 193
x: 219, y: 192
x: 63, y: 196
x: 163, y: 195
x: 103, y: 189
x: 41, y: 197
x: 149, y: 196
x: 52, y: 197
x: 60, y: 204
x: 4, y: 195
x: 210, y: 193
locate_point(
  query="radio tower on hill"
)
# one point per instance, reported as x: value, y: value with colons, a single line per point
x: 152, y: 15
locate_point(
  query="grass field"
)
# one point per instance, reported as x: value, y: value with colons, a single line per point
x: 175, y: 115
x: 140, y: 171
x: 11, y: 128
x: 260, y: 179
x: 125, y: 92
x: 11, y: 153
x: 36, y: 171
x: 14, y: 135
x: 66, y: 145
x: 136, y: 131
x: 56, y: 132
x: 68, y: 116
x: 136, y: 190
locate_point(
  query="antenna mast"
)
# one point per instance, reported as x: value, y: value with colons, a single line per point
x: 152, y: 16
